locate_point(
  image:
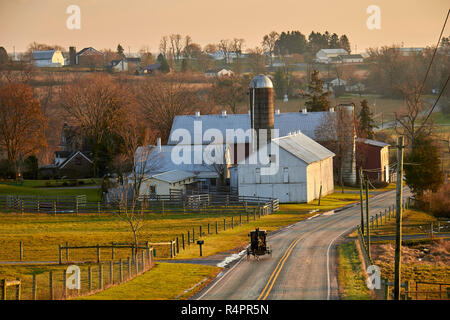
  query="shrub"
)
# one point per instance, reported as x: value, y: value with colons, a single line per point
x: 439, y: 202
x: 380, y: 184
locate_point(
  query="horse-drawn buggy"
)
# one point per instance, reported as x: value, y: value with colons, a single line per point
x: 258, y: 244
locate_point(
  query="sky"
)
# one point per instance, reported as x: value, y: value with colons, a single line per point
x: 137, y: 24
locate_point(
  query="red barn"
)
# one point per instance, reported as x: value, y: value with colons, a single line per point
x: 373, y: 157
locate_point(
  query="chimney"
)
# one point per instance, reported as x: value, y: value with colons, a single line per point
x: 224, y: 113
x: 197, y: 113
x: 304, y: 111
x: 72, y: 56
x: 158, y: 144
x: 277, y: 112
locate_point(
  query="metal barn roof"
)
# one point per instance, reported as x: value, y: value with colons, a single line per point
x: 373, y: 142
x: 284, y: 122
x: 304, y: 148
x: 43, y: 54
x: 173, y: 176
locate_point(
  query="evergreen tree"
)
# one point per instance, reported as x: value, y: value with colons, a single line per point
x: 280, y: 83
x: 366, y: 123
x: 120, y: 51
x: 316, y: 98
x: 422, y: 167
x: 345, y: 43
x: 3, y: 56
x: 164, y: 64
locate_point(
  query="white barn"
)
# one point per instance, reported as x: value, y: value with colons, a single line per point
x: 305, y: 170
x: 326, y: 55
x: 48, y: 58
x: 167, y: 183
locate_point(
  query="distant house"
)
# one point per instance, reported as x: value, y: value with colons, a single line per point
x: 119, y: 65
x: 355, y: 87
x: 410, y: 51
x: 351, y: 58
x: 89, y: 57
x: 218, y: 72
x: 373, y: 158
x: 48, y: 58
x: 151, y: 68
x: 325, y: 55
x: 330, y: 83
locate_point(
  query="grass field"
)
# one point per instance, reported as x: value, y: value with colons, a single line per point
x: 352, y: 285
x: 166, y: 281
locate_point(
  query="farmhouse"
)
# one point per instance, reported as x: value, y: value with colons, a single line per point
x: 325, y: 55
x: 304, y: 171
x: 351, y: 58
x: 48, y: 58
x: 89, y: 57
x: 167, y: 183
x: 218, y: 72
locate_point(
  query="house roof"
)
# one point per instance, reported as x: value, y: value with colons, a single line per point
x: 173, y: 176
x: 43, y: 54
x: 284, y: 122
x: 351, y: 56
x: 114, y: 63
x: 82, y: 51
x: 373, y: 142
x: 216, y: 70
x: 304, y: 148
x: 63, y: 164
x: 334, y: 51
x: 154, y: 66
x: 162, y: 160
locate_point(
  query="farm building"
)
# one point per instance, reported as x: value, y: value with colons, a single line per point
x: 373, y: 156
x: 326, y: 55
x: 167, y: 183
x: 88, y: 57
x: 218, y: 72
x: 304, y: 171
x: 48, y: 58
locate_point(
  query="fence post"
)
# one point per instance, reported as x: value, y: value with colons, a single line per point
x: 111, y: 273
x: 162, y: 206
x: 208, y: 229
x: 77, y: 205
x: 38, y: 206
x: 89, y: 279
x: 240, y: 218
x: 171, y: 250
x: 50, y: 284
x: 18, y: 289
x: 200, y: 232
x: 193, y: 235
x: 189, y: 238
x: 3, y: 287
x: 217, y: 230
x: 59, y: 254
x: 98, y: 253
x: 182, y: 240
x: 100, y: 276
x: 67, y: 251
x: 142, y: 261
x: 232, y: 222
x: 65, y: 284
x: 178, y: 245
x: 128, y: 267
x: 34, y: 287
x: 21, y: 251
x: 120, y: 271
x: 21, y: 207
x: 224, y: 225
x: 247, y: 216
x: 98, y: 208
x: 254, y: 214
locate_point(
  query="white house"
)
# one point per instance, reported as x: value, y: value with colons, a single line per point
x: 119, y: 65
x: 167, y: 183
x: 218, y: 72
x: 325, y: 55
x: 329, y: 84
x: 48, y: 58
x: 303, y: 171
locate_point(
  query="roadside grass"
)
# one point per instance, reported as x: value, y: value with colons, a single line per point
x: 409, y: 217
x: 329, y: 202
x: 352, y: 285
x: 166, y: 281
x: 92, y: 194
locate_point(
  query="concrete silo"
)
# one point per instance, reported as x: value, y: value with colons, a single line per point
x: 347, y: 136
x: 261, y: 108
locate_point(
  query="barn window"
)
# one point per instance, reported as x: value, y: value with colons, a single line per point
x: 285, y: 175
x: 258, y: 175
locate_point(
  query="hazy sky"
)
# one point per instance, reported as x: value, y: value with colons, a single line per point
x: 139, y: 23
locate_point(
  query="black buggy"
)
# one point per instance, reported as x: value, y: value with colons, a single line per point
x: 258, y: 244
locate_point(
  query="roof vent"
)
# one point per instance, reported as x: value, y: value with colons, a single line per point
x: 197, y: 113
x: 277, y: 111
x: 224, y: 113
x: 331, y: 109
x: 304, y: 111
x: 158, y: 144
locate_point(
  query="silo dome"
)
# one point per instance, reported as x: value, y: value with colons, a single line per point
x: 261, y: 81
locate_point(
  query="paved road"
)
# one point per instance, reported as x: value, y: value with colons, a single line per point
x: 302, y: 265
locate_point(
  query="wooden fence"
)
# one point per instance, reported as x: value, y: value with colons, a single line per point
x: 171, y: 204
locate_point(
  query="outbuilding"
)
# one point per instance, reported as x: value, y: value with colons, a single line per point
x: 303, y: 171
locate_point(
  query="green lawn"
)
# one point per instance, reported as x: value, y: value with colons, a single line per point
x: 92, y: 194
x: 168, y: 281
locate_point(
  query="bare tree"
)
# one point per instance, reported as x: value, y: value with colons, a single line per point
x: 225, y: 46
x: 268, y: 43
x: 256, y: 60
x: 161, y: 100
x: 163, y: 45
x: 176, y: 45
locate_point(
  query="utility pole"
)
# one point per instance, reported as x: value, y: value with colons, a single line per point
x: 361, y: 199
x: 398, y: 219
x: 367, y: 217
